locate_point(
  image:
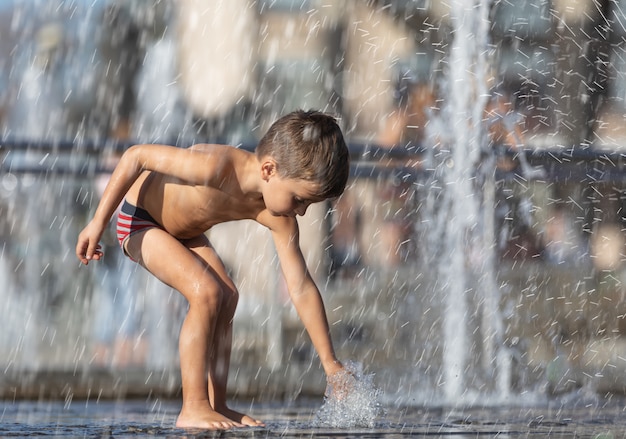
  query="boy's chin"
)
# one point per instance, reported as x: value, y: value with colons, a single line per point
x: 284, y: 215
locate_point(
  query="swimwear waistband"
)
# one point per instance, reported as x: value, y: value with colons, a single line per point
x: 137, y: 212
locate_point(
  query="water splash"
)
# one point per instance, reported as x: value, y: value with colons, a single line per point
x: 359, y: 406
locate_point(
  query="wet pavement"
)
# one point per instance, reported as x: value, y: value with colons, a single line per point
x: 155, y: 419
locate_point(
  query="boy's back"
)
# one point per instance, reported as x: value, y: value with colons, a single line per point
x: 187, y: 208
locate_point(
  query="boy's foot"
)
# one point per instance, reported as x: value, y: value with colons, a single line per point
x: 201, y: 415
x: 241, y: 418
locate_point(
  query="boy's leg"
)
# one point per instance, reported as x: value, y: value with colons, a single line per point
x: 185, y: 272
x: 219, y: 355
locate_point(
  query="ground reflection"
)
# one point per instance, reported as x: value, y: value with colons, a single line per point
x: 155, y: 419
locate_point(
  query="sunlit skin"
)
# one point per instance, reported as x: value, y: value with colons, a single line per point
x: 187, y: 191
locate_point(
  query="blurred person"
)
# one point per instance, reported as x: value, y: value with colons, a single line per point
x: 173, y: 196
x: 119, y: 342
x: 122, y: 48
x: 220, y: 103
x: 346, y: 222
x: 36, y: 107
x: 407, y: 123
x: 386, y: 238
x: 523, y: 237
x: 606, y: 305
x: 561, y: 241
x: 505, y: 128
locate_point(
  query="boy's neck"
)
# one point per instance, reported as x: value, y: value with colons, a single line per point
x: 250, y: 177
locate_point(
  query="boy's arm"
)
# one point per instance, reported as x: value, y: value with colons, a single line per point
x: 303, y: 291
x: 193, y: 166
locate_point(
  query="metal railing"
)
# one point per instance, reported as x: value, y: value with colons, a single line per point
x: 579, y: 163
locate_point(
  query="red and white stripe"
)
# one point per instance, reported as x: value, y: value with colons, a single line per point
x: 127, y: 225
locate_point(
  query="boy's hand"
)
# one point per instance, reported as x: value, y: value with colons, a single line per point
x: 340, y: 384
x: 87, y: 248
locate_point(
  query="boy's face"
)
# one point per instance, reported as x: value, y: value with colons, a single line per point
x: 289, y: 197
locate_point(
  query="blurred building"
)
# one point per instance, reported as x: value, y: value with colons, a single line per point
x: 235, y: 66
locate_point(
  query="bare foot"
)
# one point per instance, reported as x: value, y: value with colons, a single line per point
x: 241, y: 418
x: 200, y: 415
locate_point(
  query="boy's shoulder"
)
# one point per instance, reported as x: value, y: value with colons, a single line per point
x: 217, y: 148
x: 221, y: 155
x: 220, y: 165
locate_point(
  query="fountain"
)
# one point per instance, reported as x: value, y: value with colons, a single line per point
x: 464, y: 184
x: 467, y: 179
x: 448, y: 323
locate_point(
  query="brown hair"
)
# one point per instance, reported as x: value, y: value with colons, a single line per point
x: 308, y: 145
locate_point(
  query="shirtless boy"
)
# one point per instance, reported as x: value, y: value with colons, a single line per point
x: 173, y: 196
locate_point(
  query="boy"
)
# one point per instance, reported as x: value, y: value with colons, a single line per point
x: 173, y: 196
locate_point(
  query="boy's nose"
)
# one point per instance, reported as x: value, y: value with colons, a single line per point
x: 301, y: 210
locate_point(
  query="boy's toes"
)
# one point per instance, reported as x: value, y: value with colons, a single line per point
x: 221, y: 425
x: 251, y: 422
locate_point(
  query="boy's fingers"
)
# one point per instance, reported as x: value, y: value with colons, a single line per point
x: 97, y: 255
x: 80, y: 252
x: 86, y: 251
x: 92, y: 249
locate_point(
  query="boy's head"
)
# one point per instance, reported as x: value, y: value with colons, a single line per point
x: 308, y: 145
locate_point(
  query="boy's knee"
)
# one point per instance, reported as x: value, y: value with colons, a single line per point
x: 214, y: 295
x: 210, y: 296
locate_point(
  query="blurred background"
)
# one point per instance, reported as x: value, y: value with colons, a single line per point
x: 510, y: 289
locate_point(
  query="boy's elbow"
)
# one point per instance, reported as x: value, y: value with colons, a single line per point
x: 133, y: 157
x: 295, y: 293
x: 303, y: 291
x: 134, y: 152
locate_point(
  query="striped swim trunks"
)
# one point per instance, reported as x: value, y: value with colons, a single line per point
x: 132, y: 219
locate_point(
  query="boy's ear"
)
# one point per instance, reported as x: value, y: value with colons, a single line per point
x: 268, y: 169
